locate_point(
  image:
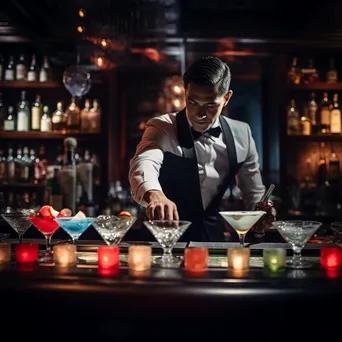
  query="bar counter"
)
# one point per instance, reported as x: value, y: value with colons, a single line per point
x: 83, y: 302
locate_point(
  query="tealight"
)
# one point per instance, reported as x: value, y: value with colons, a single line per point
x: 139, y: 257
x: 238, y: 258
x: 5, y: 253
x: 331, y: 258
x: 196, y: 259
x: 26, y: 252
x: 274, y: 258
x: 64, y: 255
x: 108, y: 257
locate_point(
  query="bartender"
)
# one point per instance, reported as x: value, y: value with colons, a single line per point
x: 186, y: 161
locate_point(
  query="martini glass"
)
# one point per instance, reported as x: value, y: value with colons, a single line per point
x: 297, y: 233
x: 167, y: 233
x: 111, y: 228
x: 242, y: 221
x: 47, y: 226
x: 74, y: 226
x: 19, y: 221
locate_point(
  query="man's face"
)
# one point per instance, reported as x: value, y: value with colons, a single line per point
x: 204, y: 105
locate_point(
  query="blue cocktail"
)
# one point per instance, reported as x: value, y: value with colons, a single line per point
x: 74, y: 226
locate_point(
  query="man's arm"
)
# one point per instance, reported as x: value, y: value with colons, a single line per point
x: 249, y: 178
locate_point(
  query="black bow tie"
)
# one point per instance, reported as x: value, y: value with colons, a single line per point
x: 212, y: 131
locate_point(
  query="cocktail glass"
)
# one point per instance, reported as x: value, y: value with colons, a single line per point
x: 297, y: 233
x: 19, y: 221
x: 336, y: 228
x: 74, y: 226
x: 167, y: 233
x: 47, y: 226
x: 242, y: 221
x: 111, y: 228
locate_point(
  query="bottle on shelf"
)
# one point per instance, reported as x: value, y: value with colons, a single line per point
x: 23, y: 114
x: 94, y: 117
x: 32, y: 72
x: 1, y: 67
x: 45, y: 72
x: 21, y: 69
x: 45, y: 123
x: 312, y: 112
x: 9, y: 71
x: 332, y: 74
x: 73, y: 116
x: 59, y: 119
x: 85, y: 122
x: 324, y: 113
x: 2, y: 166
x: 25, y: 164
x: 10, y: 165
x: 305, y: 123
x: 294, y: 74
x: 2, y: 113
x: 335, y: 116
x: 293, y: 123
x: 310, y: 74
x: 56, y: 199
x: 10, y: 120
x: 36, y: 114
x: 334, y: 167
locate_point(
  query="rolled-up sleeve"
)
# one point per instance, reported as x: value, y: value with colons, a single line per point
x: 249, y: 179
x: 146, y: 163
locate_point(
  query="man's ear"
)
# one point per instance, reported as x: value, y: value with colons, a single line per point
x: 228, y: 97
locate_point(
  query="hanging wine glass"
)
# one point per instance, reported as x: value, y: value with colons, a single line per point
x: 77, y: 80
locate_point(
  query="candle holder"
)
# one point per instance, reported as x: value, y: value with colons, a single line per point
x: 139, y: 258
x: 238, y: 258
x: 196, y: 259
x: 331, y: 258
x: 64, y: 255
x: 26, y: 253
x: 5, y: 253
x: 274, y: 258
x: 108, y: 257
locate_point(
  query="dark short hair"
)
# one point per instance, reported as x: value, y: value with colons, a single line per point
x: 209, y: 71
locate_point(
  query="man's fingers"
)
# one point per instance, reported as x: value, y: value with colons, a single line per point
x: 160, y: 212
x: 175, y: 214
x: 168, y: 212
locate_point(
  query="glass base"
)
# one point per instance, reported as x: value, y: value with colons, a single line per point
x: 298, y: 264
x: 168, y: 261
x: 46, y: 258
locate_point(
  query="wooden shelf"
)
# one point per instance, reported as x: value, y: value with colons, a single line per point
x: 317, y: 86
x: 49, y: 136
x: 26, y: 84
x: 308, y: 138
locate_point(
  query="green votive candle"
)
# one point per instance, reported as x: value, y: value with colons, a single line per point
x: 274, y: 258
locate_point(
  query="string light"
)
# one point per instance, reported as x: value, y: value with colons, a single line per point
x: 81, y: 12
x: 80, y: 29
x: 99, y: 61
x: 103, y: 43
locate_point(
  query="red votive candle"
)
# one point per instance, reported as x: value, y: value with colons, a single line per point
x: 26, y: 253
x: 196, y: 259
x: 108, y: 256
x: 331, y: 258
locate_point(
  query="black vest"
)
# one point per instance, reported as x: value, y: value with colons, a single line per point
x: 180, y: 182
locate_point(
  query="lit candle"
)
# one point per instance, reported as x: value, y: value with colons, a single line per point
x: 238, y: 258
x: 108, y: 256
x: 274, y: 258
x: 196, y: 259
x: 331, y: 258
x: 64, y: 255
x: 26, y: 252
x: 139, y: 257
x: 5, y: 253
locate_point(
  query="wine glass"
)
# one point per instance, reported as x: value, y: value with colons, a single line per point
x: 297, y: 233
x: 242, y: 221
x: 74, y: 226
x: 336, y: 228
x: 19, y: 221
x: 112, y: 228
x: 167, y: 233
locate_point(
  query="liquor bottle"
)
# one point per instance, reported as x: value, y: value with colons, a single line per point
x: 324, y: 112
x: 10, y: 165
x: 36, y: 114
x: 56, y: 199
x: 21, y: 69
x: 2, y: 113
x: 73, y: 116
x: 292, y: 119
x: 322, y: 173
x: 23, y: 114
x: 1, y: 67
x: 85, y: 122
x: 32, y: 72
x: 45, y: 124
x: 59, y: 119
x: 10, y: 120
x: 95, y: 118
x: 18, y: 164
x: 335, y: 116
x: 2, y: 167
x: 45, y: 73
x: 310, y: 74
x: 294, y: 74
x: 312, y: 108
x: 305, y: 123
x: 26, y: 163
x: 332, y: 74
x: 334, y: 167
x: 9, y: 71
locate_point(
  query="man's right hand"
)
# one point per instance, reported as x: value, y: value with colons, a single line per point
x: 160, y: 207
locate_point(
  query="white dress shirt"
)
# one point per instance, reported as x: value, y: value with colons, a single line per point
x: 161, y: 136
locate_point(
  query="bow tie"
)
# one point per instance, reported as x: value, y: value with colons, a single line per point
x: 212, y: 131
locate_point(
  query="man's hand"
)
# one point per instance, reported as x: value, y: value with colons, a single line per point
x: 160, y: 207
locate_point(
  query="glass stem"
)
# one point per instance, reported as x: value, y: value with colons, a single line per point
x: 48, y: 244
x: 21, y: 238
x: 242, y: 239
x: 167, y: 253
x: 297, y: 256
